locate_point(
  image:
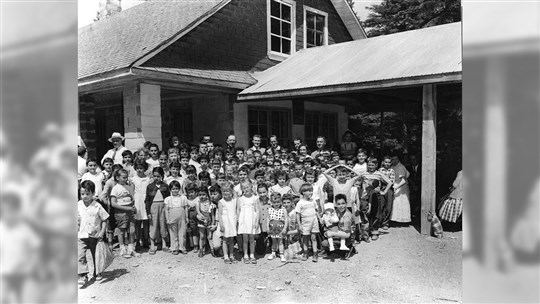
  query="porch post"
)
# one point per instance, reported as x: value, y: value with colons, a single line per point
x: 142, y: 114
x: 429, y: 153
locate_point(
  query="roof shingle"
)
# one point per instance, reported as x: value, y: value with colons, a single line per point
x: 119, y: 41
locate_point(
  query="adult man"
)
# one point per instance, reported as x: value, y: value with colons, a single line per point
x: 274, y: 146
x: 321, y: 147
x: 257, y: 144
x: 230, y: 142
x: 415, y: 182
x: 116, y: 152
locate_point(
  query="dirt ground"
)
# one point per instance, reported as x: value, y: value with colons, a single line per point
x: 402, y: 266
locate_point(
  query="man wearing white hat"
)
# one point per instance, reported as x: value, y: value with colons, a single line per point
x: 116, y: 152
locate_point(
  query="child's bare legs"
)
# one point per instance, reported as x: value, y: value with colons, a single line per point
x: 239, y: 242
x: 226, y: 249
x: 245, y: 240
x: 305, y: 243
x: 251, y: 246
x: 202, y: 241
x: 274, y: 249
x: 343, y: 238
x: 314, y: 242
x: 281, y: 249
x: 121, y: 241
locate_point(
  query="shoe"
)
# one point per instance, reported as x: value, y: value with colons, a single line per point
x: 165, y: 249
x: 315, y: 257
x: 98, y: 278
x: 212, y: 252
x: 385, y: 227
x: 201, y: 253
x: 152, y: 251
x: 182, y: 252
x: 332, y: 248
x: 283, y: 259
x: 253, y: 260
x: 272, y: 256
x: 227, y: 261
x: 123, y: 251
x: 344, y: 248
x: 175, y: 252
x: 195, y: 249
x: 304, y: 257
x: 83, y: 281
x: 374, y: 237
x: 246, y: 260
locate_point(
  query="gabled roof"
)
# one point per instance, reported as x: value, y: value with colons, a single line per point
x: 121, y: 40
x: 349, y: 19
x: 429, y: 55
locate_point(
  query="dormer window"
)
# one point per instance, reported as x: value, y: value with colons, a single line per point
x: 281, y: 29
x: 315, y: 27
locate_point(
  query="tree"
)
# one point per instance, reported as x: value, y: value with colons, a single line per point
x: 392, y: 16
x: 351, y: 4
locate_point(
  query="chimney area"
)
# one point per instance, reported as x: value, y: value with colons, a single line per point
x: 108, y: 8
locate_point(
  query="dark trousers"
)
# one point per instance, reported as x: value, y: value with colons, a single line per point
x: 388, y: 204
x: 83, y: 245
x: 260, y: 243
x: 376, y: 214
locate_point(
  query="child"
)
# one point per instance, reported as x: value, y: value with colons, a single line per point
x: 278, y: 226
x: 204, y: 179
x: 340, y: 184
x: 153, y: 160
x: 176, y: 216
x: 227, y: 221
x: 92, y: 226
x: 94, y: 176
x: 140, y: 182
x: 193, y: 201
x: 191, y: 177
x: 310, y: 178
x: 243, y: 175
x: 376, y: 214
x: 263, y: 204
x: 215, y: 197
x: 331, y: 221
x: 122, y: 202
x: 348, y: 147
x: 386, y: 169
x: 105, y: 198
x: 205, y: 220
x: 156, y: 192
x: 280, y: 187
x: 361, y: 165
x: 127, y: 162
x: 20, y: 245
x: 248, y: 221
x: 307, y: 218
x: 292, y: 227
x: 163, y: 163
x: 107, y: 165
x: 175, y: 176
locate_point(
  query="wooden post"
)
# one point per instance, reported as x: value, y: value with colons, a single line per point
x: 429, y: 154
x: 495, y: 175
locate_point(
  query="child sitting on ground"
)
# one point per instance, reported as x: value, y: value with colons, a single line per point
x: 331, y: 221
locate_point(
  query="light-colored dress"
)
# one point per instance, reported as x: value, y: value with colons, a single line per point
x: 140, y: 183
x: 228, y: 217
x: 401, y: 211
x: 247, y: 215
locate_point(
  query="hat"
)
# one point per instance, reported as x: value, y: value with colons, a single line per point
x: 116, y: 135
x: 329, y: 206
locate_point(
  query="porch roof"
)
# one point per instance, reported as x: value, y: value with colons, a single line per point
x: 430, y: 55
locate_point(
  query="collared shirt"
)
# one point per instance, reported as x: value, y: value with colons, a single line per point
x: 345, y: 221
x: 118, y: 158
x: 90, y: 218
x: 295, y: 184
x: 176, y: 201
x: 260, y: 149
x: 317, y: 152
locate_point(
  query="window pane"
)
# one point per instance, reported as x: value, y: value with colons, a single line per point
x: 275, y: 43
x: 253, y: 130
x: 286, y: 46
x: 310, y: 37
x: 286, y: 12
x: 263, y: 131
x: 319, y: 39
x: 286, y: 29
x: 262, y: 117
x: 274, y: 9
x: 274, y: 26
x: 252, y: 117
x: 310, y: 20
x: 320, y: 23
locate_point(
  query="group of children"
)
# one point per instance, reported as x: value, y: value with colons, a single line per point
x: 208, y: 198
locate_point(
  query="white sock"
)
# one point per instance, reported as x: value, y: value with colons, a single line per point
x: 343, y: 246
x: 331, y: 243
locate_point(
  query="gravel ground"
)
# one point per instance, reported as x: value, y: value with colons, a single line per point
x: 402, y: 266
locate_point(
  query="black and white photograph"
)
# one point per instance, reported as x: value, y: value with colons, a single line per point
x: 270, y: 151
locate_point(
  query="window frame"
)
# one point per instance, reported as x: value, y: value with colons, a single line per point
x: 325, y: 31
x: 273, y: 54
x: 329, y: 139
x: 265, y: 140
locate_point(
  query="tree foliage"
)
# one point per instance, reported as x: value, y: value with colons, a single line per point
x: 392, y: 16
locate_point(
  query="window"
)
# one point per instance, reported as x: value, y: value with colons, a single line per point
x: 325, y: 124
x: 281, y: 28
x: 266, y: 122
x: 315, y: 27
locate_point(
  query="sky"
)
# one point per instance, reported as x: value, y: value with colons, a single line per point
x: 87, y: 9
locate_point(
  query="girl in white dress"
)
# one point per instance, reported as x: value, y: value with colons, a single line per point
x: 140, y: 182
x: 227, y: 221
x: 248, y: 220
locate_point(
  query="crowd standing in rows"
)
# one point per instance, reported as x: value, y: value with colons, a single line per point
x: 224, y: 199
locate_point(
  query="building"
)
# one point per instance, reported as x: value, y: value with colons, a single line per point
x: 176, y: 68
